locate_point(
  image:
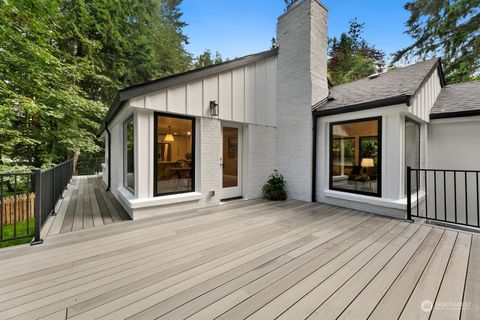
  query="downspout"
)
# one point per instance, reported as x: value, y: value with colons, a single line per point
x: 314, y: 159
x: 109, y: 135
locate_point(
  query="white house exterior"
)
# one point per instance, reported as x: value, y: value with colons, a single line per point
x: 193, y: 139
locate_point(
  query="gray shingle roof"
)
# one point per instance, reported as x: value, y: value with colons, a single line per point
x: 402, y: 82
x: 457, y: 100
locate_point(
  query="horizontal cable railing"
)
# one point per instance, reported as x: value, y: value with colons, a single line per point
x: 28, y: 199
x: 451, y: 196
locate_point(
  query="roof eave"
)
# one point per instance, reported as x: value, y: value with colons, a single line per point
x: 455, y: 114
x: 390, y: 101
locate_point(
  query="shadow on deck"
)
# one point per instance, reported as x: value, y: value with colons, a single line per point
x: 86, y: 205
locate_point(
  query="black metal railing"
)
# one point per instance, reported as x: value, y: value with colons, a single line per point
x: 28, y: 199
x: 451, y: 196
x: 88, y: 166
x: 17, y: 198
x: 49, y: 186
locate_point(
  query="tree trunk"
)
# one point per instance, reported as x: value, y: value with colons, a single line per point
x: 75, y: 156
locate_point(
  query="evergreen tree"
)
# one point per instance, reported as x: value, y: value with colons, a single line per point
x: 351, y: 57
x: 207, y: 59
x: 449, y: 29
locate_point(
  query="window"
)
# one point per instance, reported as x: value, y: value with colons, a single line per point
x: 174, y: 154
x: 355, y: 156
x: 412, y: 149
x: 129, y: 155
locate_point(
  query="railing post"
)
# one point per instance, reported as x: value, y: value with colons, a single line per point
x: 409, y: 194
x: 38, y: 204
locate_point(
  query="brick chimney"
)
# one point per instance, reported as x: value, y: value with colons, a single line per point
x: 301, y: 82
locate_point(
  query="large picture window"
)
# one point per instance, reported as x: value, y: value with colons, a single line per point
x: 174, y: 154
x: 355, y: 156
x: 129, y: 155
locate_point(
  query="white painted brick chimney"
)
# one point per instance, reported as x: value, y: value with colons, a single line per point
x: 301, y: 82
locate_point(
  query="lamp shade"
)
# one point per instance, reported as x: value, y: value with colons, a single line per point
x: 367, y: 163
x: 169, y: 137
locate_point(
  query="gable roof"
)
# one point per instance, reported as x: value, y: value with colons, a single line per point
x: 125, y: 94
x: 389, y: 88
x: 457, y: 100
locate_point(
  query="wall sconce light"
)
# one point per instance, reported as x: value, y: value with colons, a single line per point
x: 213, y: 108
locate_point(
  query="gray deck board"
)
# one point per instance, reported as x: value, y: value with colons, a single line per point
x: 86, y: 207
x: 247, y: 259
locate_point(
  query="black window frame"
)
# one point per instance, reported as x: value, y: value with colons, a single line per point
x: 155, y: 152
x: 378, y: 194
x: 125, y: 154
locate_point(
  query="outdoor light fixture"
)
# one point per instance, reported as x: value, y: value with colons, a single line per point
x: 169, y: 137
x: 213, y: 108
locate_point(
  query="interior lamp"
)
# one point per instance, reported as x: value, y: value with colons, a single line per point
x: 367, y: 163
x: 169, y: 136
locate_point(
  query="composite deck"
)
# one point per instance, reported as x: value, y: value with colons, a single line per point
x: 86, y: 205
x: 247, y: 259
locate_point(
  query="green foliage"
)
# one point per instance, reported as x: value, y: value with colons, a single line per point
x: 449, y: 29
x: 274, y: 189
x: 207, y: 59
x: 8, y: 231
x: 351, y: 57
x: 62, y: 61
x: 289, y: 3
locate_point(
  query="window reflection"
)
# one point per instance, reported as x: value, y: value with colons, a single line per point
x: 355, y: 158
x: 174, y: 154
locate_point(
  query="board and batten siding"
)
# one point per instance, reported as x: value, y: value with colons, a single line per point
x: 246, y: 94
x: 423, y: 101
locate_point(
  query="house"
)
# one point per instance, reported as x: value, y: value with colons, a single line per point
x: 193, y: 139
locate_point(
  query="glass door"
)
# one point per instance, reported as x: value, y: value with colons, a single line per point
x: 231, y: 161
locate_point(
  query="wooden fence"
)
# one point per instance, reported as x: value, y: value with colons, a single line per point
x: 25, y: 208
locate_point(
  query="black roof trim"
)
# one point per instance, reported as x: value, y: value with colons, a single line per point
x: 179, y: 78
x: 455, y: 114
x: 390, y: 101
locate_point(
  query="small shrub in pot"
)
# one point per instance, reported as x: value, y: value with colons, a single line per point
x: 274, y: 188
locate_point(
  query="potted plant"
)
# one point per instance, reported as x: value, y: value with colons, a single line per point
x: 274, y: 188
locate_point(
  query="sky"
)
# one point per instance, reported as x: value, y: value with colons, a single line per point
x: 239, y: 27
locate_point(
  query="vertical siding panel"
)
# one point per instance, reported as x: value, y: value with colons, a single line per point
x: 225, y: 96
x: 210, y: 93
x: 270, y: 92
x: 176, y: 100
x: 238, y: 95
x: 156, y: 101
x: 250, y: 93
x: 260, y: 93
x: 194, y: 98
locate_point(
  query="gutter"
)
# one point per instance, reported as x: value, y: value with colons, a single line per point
x: 109, y: 135
x: 455, y: 114
x: 314, y: 159
x: 365, y: 105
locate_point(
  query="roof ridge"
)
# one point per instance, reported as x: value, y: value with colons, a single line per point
x: 389, y: 71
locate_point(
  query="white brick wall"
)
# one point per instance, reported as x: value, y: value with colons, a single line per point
x: 301, y: 82
x: 260, y: 158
